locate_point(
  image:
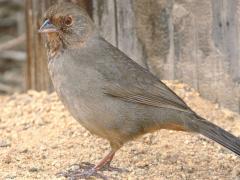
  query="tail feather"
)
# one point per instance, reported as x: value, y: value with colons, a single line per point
x: 217, y: 134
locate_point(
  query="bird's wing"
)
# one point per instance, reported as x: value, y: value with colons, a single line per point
x: 162, y: 99
x: 131, y: 82
x: 138, y: 85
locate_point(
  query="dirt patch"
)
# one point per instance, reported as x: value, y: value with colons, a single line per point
x: 38, y: 138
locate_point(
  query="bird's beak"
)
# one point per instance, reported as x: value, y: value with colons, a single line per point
x: 48, y: 27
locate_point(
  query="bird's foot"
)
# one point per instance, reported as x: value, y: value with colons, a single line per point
x: 76, y: 175
x: 83, y: 171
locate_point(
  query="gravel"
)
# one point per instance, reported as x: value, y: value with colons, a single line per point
x: 38, y: 139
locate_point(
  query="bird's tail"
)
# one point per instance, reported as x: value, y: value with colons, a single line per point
x: 216, y: 133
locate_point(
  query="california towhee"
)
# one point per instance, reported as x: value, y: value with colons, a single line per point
x: 110, y: 94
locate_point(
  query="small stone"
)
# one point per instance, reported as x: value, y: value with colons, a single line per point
x: 54, y: 146
x: 86, y: 134
x: 44, y: 156
x: 4, y: 144
x: 70, y: 146
x: 7, y: 159
x: 24, y: 151
x: 74, y: 167
x: 34, y: 169
x: 10, y: 176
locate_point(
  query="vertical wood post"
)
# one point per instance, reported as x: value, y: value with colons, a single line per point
x: 37, y: 77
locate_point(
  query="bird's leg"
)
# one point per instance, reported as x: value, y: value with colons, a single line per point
x: 93, y: 171
x: 85, y: 172
x: 105, y: 161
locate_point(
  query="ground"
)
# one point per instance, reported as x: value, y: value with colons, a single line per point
x: 38, y: 139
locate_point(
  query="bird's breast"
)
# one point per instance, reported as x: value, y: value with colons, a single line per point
x: 80, y: 90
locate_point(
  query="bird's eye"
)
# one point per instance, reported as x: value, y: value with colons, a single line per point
x: 68, y: 20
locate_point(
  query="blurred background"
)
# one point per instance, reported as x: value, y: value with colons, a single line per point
x: 195, y: 42
x: 12, y: 46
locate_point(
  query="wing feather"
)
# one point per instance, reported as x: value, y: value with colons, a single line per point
x: 136, y: 95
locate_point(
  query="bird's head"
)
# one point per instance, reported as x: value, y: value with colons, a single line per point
x: 66, y: 25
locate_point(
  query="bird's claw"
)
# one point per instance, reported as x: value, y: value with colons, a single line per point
x: 78, y: 174
x: 81, y: 173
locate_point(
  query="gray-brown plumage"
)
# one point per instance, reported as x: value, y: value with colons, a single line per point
x: 107, y: 92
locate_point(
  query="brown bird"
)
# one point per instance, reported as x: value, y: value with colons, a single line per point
x: 110, y: 94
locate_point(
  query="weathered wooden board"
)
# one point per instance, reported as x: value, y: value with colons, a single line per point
x: 194, y: 41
